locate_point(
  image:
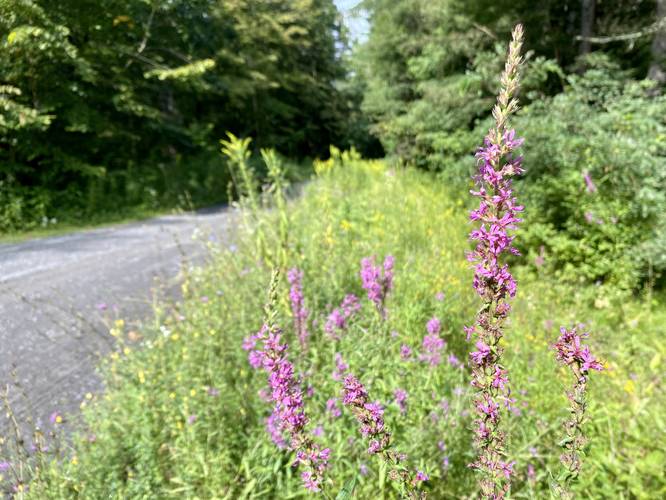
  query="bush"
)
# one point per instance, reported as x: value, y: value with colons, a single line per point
x: 595, y: 187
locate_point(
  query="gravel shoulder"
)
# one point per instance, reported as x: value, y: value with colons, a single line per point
x: 58, y: 294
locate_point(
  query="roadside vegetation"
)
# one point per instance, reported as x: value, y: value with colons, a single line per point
x: 353, y: 341
x: 185, y: 416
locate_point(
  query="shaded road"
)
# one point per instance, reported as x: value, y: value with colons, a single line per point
x: 55, y: 293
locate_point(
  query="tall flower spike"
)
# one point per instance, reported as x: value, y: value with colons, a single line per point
x: 497, y: 216
x: 570, y: 351
x: 371, y: 417
x: 288, y: 421
x: 377, y: 281
x: 298, y: 310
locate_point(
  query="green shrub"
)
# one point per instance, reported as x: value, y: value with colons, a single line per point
x: 610, y: 226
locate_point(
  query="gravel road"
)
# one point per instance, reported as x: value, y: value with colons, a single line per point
x: 57, y: 296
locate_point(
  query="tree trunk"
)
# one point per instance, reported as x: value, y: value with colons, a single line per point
x: 586, y: 25
x: 657, y: 71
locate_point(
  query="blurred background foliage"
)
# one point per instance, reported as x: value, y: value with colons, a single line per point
x: 590, y: 115
x: 110, y: 103
x: 115, y: 104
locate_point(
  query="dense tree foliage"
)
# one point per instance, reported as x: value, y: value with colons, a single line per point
x: 127, y: 95
x: 430, y: 75
x: 113, y: 103
x: 431, y: 65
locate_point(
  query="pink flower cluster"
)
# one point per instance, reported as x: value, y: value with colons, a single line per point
x: 433, y: 344
x: 340, y: 367
x: 401, y: 400
x: 288, y: 417
x: 497, y: 213
x: 371, y: 418
x: 338, y: 320
x: 300, y: 313
x: 569, y: 351
x: 369, y: 415
x: 376, y: 283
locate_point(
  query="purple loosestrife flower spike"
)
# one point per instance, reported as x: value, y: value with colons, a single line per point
x: 340, y: 367
x: 338, y: 320
x: 371, y: 417
x: 570, y: 352
x: 375, y: 283
x: 589, y: 183
x: 401, y: 400
x: 298, y: 310
x: 288, y: 421
x: 496, y: 215
x: 433, y: 344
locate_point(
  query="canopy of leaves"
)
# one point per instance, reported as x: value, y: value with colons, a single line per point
x: 91, y: 89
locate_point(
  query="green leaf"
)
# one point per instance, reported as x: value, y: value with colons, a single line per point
x: 347, y: 490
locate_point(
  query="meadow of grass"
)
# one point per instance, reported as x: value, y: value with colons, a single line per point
x: 183, y: 415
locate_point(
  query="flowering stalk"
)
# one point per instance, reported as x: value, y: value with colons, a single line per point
x: 433, y: 344
x: 300, y: 313
x: 375, y: 283
x: 288, y: 417
x: 338, y: 320
x: 370, y: 416
x: 578, y: 358
x: 492, y: 280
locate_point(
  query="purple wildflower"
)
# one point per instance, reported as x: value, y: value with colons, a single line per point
x: 371, y: 417
x: 309, y: 481
x: 405, y: 352
x: 433, y: 344
x: 340, y: 367
x: 363, y: 469
x: 333, y: 408
x: 589, y: 184
x: 288, y: 417
x: 499, y: 378
x: 434, y: 326
x: 497, y: 215
x: 421, y: 476
x: 273, y: 428
x: 445, y: 463
x: 401, y: 400
x: 298, y: 310
x: 482, y: 356
x: 375, y: 283
x: 454, y: 361
x: 507, y: 468
x: 4, y: 466
x: 440, y: 297
x: 338, y: 320
x: 191, y: 419
x: 570, y: 351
